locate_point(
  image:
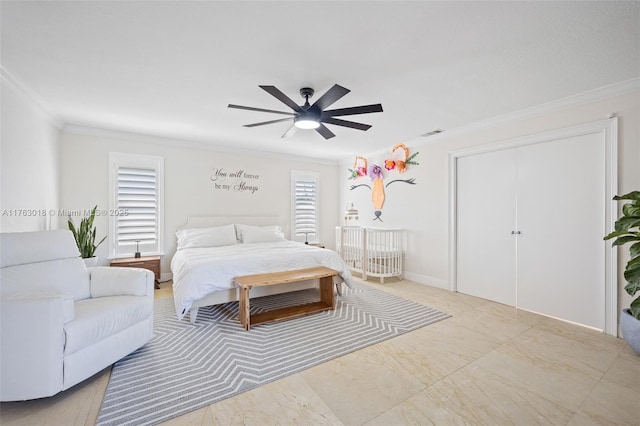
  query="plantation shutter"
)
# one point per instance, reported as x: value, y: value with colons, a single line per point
x: 305, y: 205
x: 136, y: 188
x: 138, y: 197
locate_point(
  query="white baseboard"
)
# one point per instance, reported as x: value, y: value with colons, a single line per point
x: 167, y: 276
x: 425, y: 279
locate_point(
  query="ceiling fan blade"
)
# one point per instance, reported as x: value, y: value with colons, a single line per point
x: 275, y: 92
x: 259, y: 109
x: 364, y: 109
x: 289, y: 132
x: 280, y: 120
x: 345, y: 123
x: 325, y: 132
x: 330, y: 96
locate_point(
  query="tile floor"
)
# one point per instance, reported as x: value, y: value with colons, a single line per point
x: 488, y: 364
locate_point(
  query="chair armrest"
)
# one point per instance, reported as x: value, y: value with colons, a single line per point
x: 31, y: 345
x: 107, y: 281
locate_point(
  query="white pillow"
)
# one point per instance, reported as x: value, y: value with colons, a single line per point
x: 259, y: 234
x: 206, y: 237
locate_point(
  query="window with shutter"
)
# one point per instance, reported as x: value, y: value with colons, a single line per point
x: 136, y: 194
x: 304, y: 218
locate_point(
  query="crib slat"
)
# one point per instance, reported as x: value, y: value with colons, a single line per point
x: 371, y: 251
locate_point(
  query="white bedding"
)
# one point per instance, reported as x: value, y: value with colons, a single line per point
x: 198, y: 272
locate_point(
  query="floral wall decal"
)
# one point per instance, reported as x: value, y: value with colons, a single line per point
x: 376, y: 173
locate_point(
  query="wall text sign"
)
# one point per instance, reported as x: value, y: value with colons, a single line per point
x: 234, y: 181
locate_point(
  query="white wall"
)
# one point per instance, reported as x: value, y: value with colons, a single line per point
x: 423, y: 209
x: 29, y: 145
x: 189, y: 191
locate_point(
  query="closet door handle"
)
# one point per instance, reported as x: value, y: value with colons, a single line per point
x: 516, y: 232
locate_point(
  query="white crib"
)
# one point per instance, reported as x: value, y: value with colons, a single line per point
x: 375, y: 252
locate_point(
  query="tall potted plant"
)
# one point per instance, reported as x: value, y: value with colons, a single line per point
x: 627, y: 230
x: 85, y: 236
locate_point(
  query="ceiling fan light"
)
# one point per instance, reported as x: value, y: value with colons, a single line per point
x: 306, y: 123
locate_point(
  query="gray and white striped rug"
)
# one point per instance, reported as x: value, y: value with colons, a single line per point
x: 186, y: 367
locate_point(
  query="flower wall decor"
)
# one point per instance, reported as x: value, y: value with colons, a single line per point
x: 359, y: 168
x: 377, y: 192
x: 400, y: 165
x: 376, y: 173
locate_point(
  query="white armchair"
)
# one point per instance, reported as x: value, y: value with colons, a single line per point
x: 60, y: 322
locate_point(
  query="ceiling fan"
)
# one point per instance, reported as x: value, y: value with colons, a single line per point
x: 314, y: 116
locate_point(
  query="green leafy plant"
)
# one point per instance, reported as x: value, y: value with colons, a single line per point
x: 627, y: 230
x: 85, y: 235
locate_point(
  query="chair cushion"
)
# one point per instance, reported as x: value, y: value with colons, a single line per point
x: 96, y: 319
x: 42, y: 261
x: 64, y: 276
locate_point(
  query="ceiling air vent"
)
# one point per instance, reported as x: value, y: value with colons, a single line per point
x: 431, y: 133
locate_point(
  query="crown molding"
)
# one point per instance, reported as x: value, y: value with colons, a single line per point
x: 617, y: 89
x: 190, y: 144
x: 11, y: 82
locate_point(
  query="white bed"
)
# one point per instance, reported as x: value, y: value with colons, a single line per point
x: 203, y: 275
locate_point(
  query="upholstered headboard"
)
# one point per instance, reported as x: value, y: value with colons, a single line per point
x: 209, y: 221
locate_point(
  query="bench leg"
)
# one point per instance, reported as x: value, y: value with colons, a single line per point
x: 244, y: 308
x: 326, y: 292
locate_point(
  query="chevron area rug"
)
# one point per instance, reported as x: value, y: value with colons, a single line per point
x: 189, y: 366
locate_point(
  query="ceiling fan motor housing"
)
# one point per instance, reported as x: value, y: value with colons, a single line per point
x: 310, y: 117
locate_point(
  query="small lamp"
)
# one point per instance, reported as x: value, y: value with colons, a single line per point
x: 350, y: 213
x: 137, y: 255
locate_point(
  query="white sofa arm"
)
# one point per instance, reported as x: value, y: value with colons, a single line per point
x: 32, y: 345
x: 107, y: 281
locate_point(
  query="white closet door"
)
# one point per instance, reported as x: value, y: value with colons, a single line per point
x: 560, y: 214
x: 485, y: 204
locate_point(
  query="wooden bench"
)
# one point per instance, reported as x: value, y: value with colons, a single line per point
x: 246, y: 282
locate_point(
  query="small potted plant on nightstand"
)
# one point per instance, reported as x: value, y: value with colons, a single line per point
x: 85, y: 236
x: 627, y: 230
